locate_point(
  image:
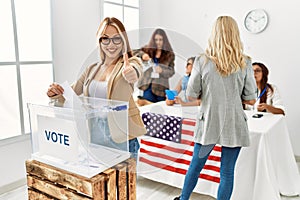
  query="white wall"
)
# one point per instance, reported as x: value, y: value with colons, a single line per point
x: 13, y: 157
x: 74, y: 26
x: 150, y: 17
x: 277, y: 46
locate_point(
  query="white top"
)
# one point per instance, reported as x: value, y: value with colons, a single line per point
x: 273, y: 99
x: 98, y: 89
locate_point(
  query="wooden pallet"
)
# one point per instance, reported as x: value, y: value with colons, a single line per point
x: 48, y: 182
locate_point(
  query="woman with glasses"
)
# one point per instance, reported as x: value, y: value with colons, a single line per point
x: 156, y: 79
x: 112, y: 78
x: 182, y: 86
x: 268, y: 98
x: 223, y: 77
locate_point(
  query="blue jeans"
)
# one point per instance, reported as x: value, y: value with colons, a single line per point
x: 100, y: 135
x: 200, y: 155
x: 134, y: 147
x: 148, y: 94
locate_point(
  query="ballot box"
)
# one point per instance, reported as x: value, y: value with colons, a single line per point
x: 85, y: 136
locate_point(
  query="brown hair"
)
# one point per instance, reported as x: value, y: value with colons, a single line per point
x: 112, y: 21
x: 264, y: 81
x: 191, y: 58
x: 166, y: 51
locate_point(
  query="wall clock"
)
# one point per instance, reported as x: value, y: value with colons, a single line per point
x: 256, y: 21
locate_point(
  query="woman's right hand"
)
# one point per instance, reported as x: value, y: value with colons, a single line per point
x: 145, y: 57
x: 55, y: 89
x: 170, y: 102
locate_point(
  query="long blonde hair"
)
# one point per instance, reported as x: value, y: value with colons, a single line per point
x: 225, y: 47
x: 112, y: 21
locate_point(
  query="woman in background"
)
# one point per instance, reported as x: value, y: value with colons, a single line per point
x: 182, y: 86
x: 156, y: 79
x: 112, y: 78
x: 224, y: 79
x: 268, y: 96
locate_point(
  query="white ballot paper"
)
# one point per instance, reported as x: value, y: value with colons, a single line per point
x: 71, y: 98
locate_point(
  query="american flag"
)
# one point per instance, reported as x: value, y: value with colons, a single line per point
x: 169, y: 145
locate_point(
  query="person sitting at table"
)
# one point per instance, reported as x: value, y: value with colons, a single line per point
x: 156, y: 79
x: 268, y: 98
x: 181, y: 87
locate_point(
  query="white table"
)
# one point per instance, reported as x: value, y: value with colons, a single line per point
x: 264, y: 170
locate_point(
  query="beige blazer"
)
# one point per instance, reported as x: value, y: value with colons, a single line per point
x: 117, y: 89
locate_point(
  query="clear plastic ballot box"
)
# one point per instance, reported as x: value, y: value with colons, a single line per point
x: 85, y: 137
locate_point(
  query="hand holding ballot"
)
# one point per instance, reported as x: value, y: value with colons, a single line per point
x: 171, y: 94
x: 55, y: 89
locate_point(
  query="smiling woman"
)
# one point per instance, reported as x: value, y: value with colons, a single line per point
x: 111, y: 44
x: 111, y: 78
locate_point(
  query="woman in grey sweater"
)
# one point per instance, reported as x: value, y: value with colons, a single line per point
x: 223, y: 77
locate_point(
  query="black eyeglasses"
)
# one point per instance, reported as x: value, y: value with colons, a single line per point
x: 107, y: 40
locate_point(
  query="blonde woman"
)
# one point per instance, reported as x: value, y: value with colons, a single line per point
x: 224, y: 79
x: 112, y: 78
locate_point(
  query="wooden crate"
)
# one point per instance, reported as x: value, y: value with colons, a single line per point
x: 48, y: 182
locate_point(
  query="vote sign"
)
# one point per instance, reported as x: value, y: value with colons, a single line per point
x: 57, y: 138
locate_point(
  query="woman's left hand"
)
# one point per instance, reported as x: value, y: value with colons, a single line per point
x: 178, y: 100
x: 129, y: 73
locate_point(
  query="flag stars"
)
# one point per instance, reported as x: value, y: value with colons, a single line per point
x: 163, y: 126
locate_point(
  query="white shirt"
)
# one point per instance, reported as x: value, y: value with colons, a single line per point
x: 98, y: 89
x: 273, y: 99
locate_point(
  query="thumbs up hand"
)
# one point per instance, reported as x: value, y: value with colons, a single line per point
x: 129, y: 72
